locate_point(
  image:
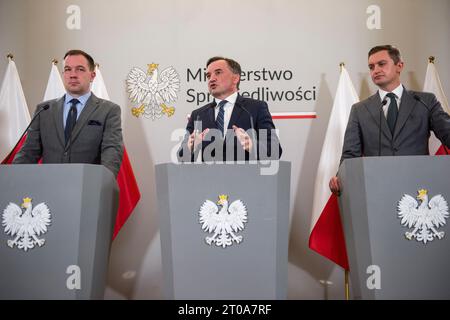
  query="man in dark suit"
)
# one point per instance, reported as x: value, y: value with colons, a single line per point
x: 78, y: 127
x: 406, y: 116
x: 231, y: 127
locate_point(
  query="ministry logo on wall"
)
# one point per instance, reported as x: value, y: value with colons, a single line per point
x: 26, y: 226
x: 151, y: 92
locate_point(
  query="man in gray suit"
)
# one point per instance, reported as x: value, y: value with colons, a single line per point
x: 78, y: 127
x: 406, y: 117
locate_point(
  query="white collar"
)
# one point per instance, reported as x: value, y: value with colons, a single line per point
x: 397, y: 91
x: 230, y: 99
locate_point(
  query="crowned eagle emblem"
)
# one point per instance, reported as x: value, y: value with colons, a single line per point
x: 151, y: 91
x: 26, y: 226
x: 425, y: 218
x: 223, y: 220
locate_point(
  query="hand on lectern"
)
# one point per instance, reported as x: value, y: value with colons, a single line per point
x: 335, y: 186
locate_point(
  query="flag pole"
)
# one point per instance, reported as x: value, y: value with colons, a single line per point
x: 431, y: 59
x: 9, y: 56
x: 346, y: 284
x: 55, y: 61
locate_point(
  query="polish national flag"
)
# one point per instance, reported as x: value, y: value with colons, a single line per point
x: 129, y: 194
x: 327, y: 236
x: 433, y: 84
x: 14, y: 113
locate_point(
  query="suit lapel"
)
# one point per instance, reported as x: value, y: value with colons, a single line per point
x: 58, y: 114
x: 208, y: 120
x: 89, y: 108
x: 236, y: 114
x: 407, y: 105
x: 374, y: 107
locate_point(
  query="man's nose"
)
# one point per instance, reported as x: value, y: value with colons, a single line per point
x: 376, y: 69
x: 71, y: 73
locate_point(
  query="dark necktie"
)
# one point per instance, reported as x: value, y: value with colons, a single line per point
x: 220, y: 116
x: 392, y: 112
x: 71, y: 119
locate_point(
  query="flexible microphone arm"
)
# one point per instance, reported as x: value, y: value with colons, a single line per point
x: 195, y: 128
x: 416, y: 97
x: 379, y: 131
x: 254, y: 141
x: 6, y: 160
x: 194, y: 137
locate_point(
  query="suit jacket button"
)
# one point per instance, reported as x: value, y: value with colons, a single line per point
x: 65, y: 153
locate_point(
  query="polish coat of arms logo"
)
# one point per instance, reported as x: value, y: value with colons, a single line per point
x: 425, y: 218
x: 152, y: 91
x: 223, y: 220
x: 26, y: 226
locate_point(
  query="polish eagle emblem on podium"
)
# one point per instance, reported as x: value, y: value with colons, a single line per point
x: 26, y: 226
x: 223, y: 221
x: 425, y: 217
x: 152, y: 91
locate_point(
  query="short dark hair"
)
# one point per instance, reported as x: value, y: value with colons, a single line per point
x: 393, y: 52
x: 235, y: 67
x: 76, y: 52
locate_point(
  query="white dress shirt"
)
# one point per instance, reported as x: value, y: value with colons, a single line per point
x: 398, y: 93
x: 227, y: 108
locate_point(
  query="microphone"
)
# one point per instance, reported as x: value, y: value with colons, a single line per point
x: 6, y: 160
x: 197, y: 119
x: 416, y: 97
x: 193, y: 140
x: 69, y: 151
x: 254, y: 141
x: 379, y: 131
x: 194, y: 132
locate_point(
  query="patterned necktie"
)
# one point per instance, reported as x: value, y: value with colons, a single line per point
x: 71, y: 119
x: 220, y: 116
x: 392, y: 112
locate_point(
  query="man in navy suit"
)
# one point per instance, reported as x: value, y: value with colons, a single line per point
x: 232, y: 127
x: 407, y: 117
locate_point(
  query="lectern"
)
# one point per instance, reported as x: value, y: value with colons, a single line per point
x: 69, y: 259
x: 199, y: 264
x: 390, y: 259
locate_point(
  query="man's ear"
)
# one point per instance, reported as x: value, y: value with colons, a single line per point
x: 93, y: 74
x: 236, y: 79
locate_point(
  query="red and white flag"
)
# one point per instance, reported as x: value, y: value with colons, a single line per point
x: 129, y: 194
x: 98, y: 86
x: 433, y: 84
x: 55, y: 87
x: 327, y: 236
x: 14, y: 113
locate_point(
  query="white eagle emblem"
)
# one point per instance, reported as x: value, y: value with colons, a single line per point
x: 26, y: 226
x: 224, y: 222
x: 424, y: 218
x: 152, y: 93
